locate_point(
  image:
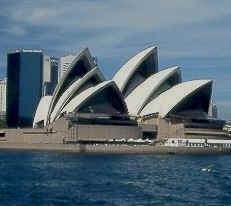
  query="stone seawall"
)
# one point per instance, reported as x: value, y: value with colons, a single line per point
x: 115, y: 149
x: 40, y: 139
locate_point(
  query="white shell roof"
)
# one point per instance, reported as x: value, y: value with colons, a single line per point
x: 42, y: 110
x: 138, y: 98
x: 166, y: 101
x: 80, y: 99
x: 83, y: 53
x: 67, y: 95
x: 127, y: 70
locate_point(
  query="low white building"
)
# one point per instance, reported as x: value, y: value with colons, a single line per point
x: 201, y: 142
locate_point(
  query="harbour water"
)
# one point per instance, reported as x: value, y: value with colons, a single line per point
x: 56, y: 178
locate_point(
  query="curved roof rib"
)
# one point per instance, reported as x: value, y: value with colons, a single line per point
x: 42, y: 111
x: 136, y: 70
x: 151, y: 88
x: 82, y: 64
x: 103, y: 98
x: 92, y: 78
x: 192, y: 95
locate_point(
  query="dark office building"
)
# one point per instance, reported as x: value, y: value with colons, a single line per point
x: 24, y: 86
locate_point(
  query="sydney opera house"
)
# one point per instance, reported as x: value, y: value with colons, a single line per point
x: 139, y: 101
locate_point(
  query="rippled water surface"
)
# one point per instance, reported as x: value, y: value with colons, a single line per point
x: 50, y: 178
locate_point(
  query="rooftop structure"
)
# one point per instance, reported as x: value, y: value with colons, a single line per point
x: 25, y: 51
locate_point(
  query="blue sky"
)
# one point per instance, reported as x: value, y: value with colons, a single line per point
x: 194, y: 34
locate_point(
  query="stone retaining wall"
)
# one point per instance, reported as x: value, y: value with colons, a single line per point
x: 115, y: 149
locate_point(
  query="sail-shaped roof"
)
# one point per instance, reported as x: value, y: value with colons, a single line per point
x: 136, y: 70
x: 188, y: 95
x: 42, y: 111
x: 151, y: 88
x: 92, y: 78
x: 103, y: 98
x: 81, y: 65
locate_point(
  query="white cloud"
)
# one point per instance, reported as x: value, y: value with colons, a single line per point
x: 130, y: 14
x: 16, y: 30
x: 113, y: 22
